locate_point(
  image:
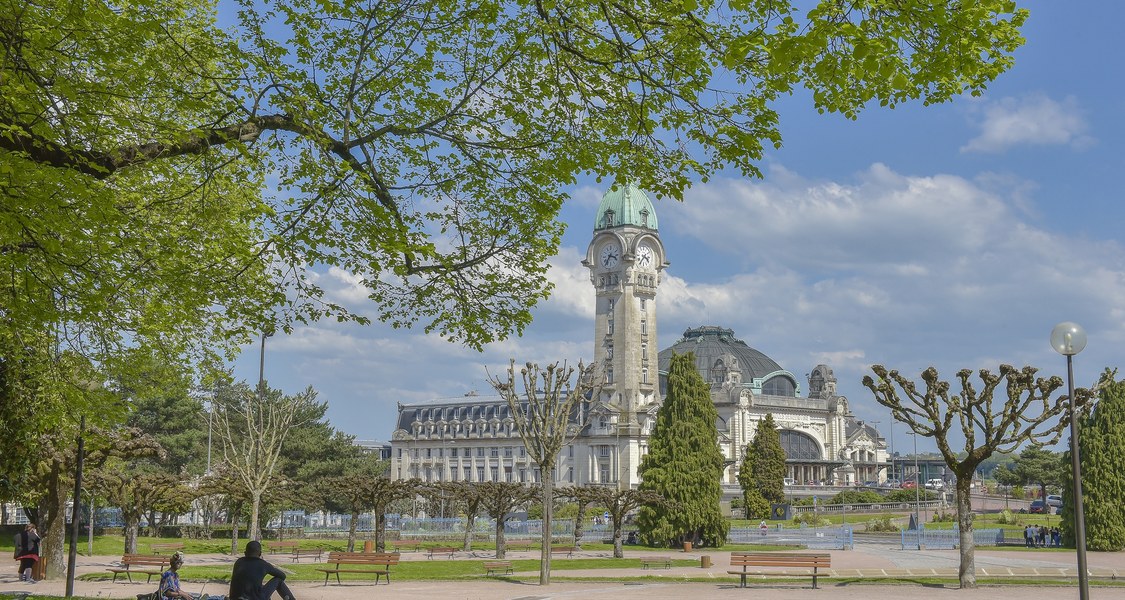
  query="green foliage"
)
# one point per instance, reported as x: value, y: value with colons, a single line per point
x: 1101, y: 445
x: 944, y: 516
x: 882, y: 523
x: 1007, y: 517
x: 1033, y: 466
x: 684, y: 465
x: 908, y: 495
x: 811, y: 519
x: 762, y: 472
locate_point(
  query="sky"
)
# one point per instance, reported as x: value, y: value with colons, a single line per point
x: 955, y: 236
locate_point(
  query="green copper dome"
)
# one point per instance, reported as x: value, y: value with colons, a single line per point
x: 629, y: 206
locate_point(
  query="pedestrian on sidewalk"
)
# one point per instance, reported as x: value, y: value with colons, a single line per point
x: 27, y: 551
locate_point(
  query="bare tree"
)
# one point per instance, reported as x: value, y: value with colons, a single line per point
x: 465, y: 493
x: 1028, y: 415
x: 251, y: 428
x: 547, y: 420
x: 583, y: 496
x: 499, y: 499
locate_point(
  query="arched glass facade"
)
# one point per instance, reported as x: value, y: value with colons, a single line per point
x: 799, y: 446
x: 779, y: 386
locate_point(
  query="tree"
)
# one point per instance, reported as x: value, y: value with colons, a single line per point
x: 499, y: 499
x: 619, y: 503
x: 684, y: 464
x: 252, y: 428
x: 1033, y: 466
x: 466, y: 493
x: 762, y: 474
x: 418, y: 145
x: 546, y: 418
x: 385, y: 491
x: 1027, y: 414
x: 583, y: 496
x: 1101, y: 449
x: 352, y: 492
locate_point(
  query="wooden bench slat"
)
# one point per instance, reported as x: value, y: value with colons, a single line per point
x: 442, y: 550
x: 492, y: 566
x: 648, y: 561
x: 128, y: 561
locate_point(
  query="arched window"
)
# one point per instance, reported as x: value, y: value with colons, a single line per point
x: 778, y: 386
x: 718, y: 372
x: 799, y: 446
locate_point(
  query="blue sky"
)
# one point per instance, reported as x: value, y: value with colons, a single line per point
x: 954, y: 236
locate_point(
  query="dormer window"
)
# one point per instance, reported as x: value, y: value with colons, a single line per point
x: 644, y: 217
x: 609, y: 214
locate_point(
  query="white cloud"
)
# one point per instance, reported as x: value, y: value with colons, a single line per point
x: 1033, y: 119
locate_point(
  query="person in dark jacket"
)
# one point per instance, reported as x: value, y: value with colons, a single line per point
x: 27, y: 551
x: 249, y: 571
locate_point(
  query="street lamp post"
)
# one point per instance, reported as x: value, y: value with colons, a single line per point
x: 917, y: 494
x: 1069, y: 339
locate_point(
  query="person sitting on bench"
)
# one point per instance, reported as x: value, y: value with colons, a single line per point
x: 248, y: 573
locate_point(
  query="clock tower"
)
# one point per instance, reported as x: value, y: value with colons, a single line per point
x: 625, y: 258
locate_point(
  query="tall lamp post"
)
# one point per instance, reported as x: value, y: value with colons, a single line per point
x: 1069, y: 339
x: 917, y: 494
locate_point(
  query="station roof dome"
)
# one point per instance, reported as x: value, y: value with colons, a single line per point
x: 709, y: 343
x: 629, y: 206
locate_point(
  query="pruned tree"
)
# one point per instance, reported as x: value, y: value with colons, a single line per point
x: 135, y: 492
x: 353, y: 491
x: 1011, y: 408
x: 251, y: 428
x: 465, y: 493
x: 498, y: 500
x: 684, y: 464
x: 619, y: 503
x: 385, y: 491
x: 583, y: 496
x: 547, y: 419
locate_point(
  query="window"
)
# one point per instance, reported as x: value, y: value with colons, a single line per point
x: 799, y: 446
x: 480, y: 451
x: 610, y: 304
x: 523, y: 475
x: 609, y: 375
x: 495, y: 472
x: 429, y: 452
x: 610, y: 327
x: 441, y: 452
x: 644, y: 351
x: 480, y: 473
x: 570, y: 475
x: 644, y: 375
x: 609, y: 352
x: 644, y: 303
x: 508, y: 474
x: 603, y: 450
x: 507, y: 452
x: 400, y: 452
x: 523, y: 451
x: 536, y: 475
x: 570, y: 451
x: 494, y: 452
x: 453, y: 452
x: 779, y: 386
x: 468, y: 473
x: 644, y: 326
x: 453, y: 474
x: 604, y: 474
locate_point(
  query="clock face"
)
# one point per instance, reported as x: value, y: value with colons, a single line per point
x: 644, y: 256
x: 610, y: 255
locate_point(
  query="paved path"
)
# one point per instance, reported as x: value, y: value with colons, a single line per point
x: 867, y: 560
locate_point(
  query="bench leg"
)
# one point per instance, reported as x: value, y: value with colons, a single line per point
x: 814, y: 578
x: 326, y: 573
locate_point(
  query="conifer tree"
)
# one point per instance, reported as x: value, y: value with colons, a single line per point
x: 769, y: 467
x: 755, y: 504
x: 1101, y: 449
x: 684, y: 465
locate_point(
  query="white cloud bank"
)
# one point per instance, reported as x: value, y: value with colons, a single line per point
x: 1033, y: 119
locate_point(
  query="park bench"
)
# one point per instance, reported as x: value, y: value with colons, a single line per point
x: 314, y: 553
x: 437, y: 550
x: 654, y: 561
x: 407, y: 545
x: 375, y: 563
x: 810, y: 564
x: 279, y: 547
x: 568, y: 550
x: 522, y: 545
x: 496, y: 566
x: 136, y: 563
x: 166, y: 547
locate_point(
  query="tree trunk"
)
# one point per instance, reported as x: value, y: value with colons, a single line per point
x: 255, y: 532
x: 618, y: 534
x: 132, y: 529
x: 548, y: 512
x: 381, y: 529
x: 967, y: 572
x: 235, y: 510
x: 54, y: 524
x: 351, y: 530
x: 500, y: 549
x: 470, y: 520
x: 579, y: 521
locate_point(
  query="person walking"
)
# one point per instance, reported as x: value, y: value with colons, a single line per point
x: 249, y: 571
x: 27, y: 551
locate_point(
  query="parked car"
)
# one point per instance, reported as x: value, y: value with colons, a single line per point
x: 935, y: 484
x: 909, y: 485
x: 1054, y: 501
x: 789, y: 481
x: 892, y: 483
x: 1038, y: 507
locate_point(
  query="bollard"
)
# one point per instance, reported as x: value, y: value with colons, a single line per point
x: 687, y: 546
x: 705, y: 561
x: 368, y: 546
